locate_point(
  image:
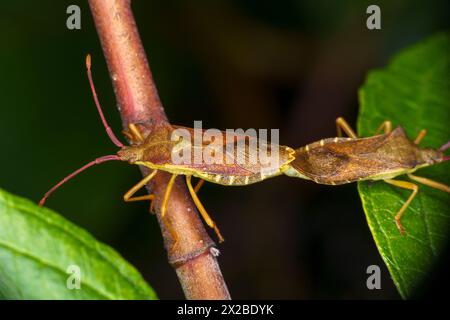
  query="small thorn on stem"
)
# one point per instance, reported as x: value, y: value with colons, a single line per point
x: 214, y: 251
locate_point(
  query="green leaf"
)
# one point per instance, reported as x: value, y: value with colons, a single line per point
x: 37, y: 247
x: 412, y: 92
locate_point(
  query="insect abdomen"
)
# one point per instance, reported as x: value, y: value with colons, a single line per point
x: 344, y: 160
x: 231, y: 180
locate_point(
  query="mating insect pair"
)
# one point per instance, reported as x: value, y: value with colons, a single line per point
x: 330, y: 161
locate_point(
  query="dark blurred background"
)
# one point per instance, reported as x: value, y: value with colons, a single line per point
x: 292, y: 65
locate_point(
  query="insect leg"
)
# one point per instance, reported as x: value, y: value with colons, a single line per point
x: 386, y: 126
x: 150, y: 197
x: 128, y: 135
x: 341, y: 124
x: 128, y: 197
x: 202, y: 210
x: 405, y: 185
x: 167, y: 195
x: 164, y: 209
x: 135, y: 132
x: 199, y: 185
x: 420, y: 136
x: 430, y: 183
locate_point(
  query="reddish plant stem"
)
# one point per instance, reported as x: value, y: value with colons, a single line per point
x: 193, y: 257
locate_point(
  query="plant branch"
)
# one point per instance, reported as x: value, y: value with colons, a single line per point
x: 193, y: 257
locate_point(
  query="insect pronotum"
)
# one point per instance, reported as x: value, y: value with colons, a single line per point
x: 330, y: 161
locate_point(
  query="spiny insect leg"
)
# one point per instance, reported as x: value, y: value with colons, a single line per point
x: 420, y: 136
x: 128, y: 197
x: 202, y: 210
x: 341, y: 124
x: 199, y: 185
x: 405, y: 185
x: 386, y: 126
x: 167, y: 195
x: 430, y: 183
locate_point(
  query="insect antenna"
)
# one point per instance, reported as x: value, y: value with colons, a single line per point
x: 73, y: 174
x: 443, y: 148
x: 108, y: 129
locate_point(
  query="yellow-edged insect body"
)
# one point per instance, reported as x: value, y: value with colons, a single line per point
x: 245, y: 159
x: 336, y: 161
x: 235, y: 163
